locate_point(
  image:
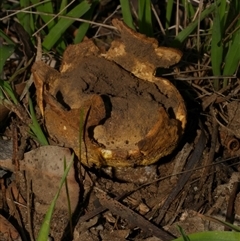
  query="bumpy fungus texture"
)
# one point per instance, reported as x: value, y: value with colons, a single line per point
x: 130, y: 118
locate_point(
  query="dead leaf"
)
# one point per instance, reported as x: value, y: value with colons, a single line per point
x: 8, y: 231
x: 45, y: 168
x: 233, y: 109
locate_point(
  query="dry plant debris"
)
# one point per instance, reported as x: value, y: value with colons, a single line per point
x: 8, y: 231
x: 124, y: 115
x: 44, y: 166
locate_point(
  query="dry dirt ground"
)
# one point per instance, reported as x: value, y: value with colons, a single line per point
x: 197, y: 176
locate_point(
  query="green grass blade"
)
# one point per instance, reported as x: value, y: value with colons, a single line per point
x: 188, y: 9
x: 46, y: 7
x: 191, y: 10
x: 2, y: 97
x: 232, y: 58
x: 68, y: 201
x: 32, y: 23
x: 223, y: 223
x: 126, y: 12
x: 185, y: 237
x: 145, y: 17
x: 61, y: 46
x: 6, y: 38
x: 57, y: 31
x: 223, y: 12
x: 192, y: 26
x: 35, y: 127
x: 6, y: 87
x: 233, y: 55
x: 45, y: 227
x: 24, y: 18
x: 20, y: 71
x: 83, y: 28
x: 213, y: 236
x: 5, y: 52
x: 169, y: 12
x: 216, y: 47
x: 62, y: 6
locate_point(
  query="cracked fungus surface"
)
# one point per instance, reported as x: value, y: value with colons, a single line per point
x: 128, y: 120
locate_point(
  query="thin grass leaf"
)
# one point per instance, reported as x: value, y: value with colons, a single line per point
x: 2, y: 97
x: 68, y: 201
x: 185, y: 237
x: 213, y: 236
x: 179, y: 39
x: 61, y: 46
x: 232, y: 12
x: 45, y: 227
x: 223, y: 12
x: 6, y: 38
x: 223, y: 223
x: 32, y: 23
x: 126, y: 12
x: 62, y: 6
x: 46, y: 7
x: 145, y: 17
x: 6, y: 87
x: 232, y: 58
x: 20, y: 71
x: 24, y: 18
x: 35, y: 127
x: 57, y: 31
x: 233, y: 55
x: 191, y: 10
x: 5, y: 52
x: 169, y: 12
x: 83, y: 28
x: 216, y: 47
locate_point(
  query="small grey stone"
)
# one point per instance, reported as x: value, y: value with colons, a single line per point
x: 5, y: 149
